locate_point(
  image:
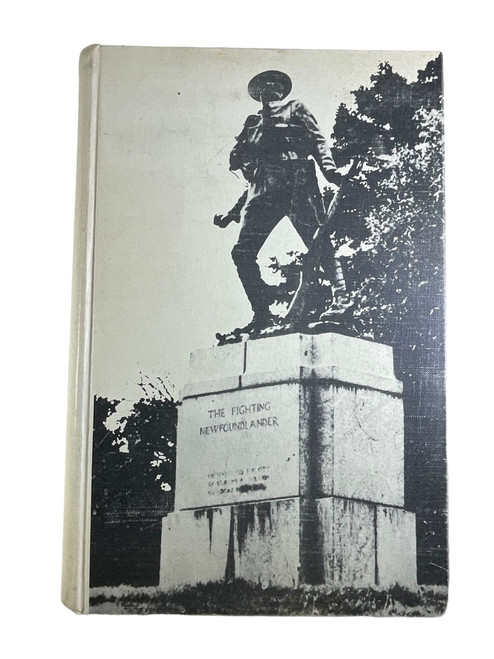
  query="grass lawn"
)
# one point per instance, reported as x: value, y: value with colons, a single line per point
x: 240, y: 598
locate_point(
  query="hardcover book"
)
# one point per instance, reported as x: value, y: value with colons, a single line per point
x: 257, y: 406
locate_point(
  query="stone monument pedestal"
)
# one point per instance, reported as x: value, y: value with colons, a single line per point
x: 290, y: 467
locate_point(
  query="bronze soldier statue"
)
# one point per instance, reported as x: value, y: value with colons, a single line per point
x: 276, y: 151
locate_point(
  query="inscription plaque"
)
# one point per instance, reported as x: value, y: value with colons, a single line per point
x: 238, y: 446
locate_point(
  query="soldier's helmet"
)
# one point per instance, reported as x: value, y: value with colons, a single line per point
x: 270, y: 81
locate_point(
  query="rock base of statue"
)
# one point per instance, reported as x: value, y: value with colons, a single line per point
x: 280, y: 327
x: 290, y: 467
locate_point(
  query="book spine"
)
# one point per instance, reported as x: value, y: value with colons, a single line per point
x: 75, y: 568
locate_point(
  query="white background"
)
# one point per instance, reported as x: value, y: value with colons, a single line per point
x: 40, y: 45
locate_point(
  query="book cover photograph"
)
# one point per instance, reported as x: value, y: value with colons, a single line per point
x: 256, y: 419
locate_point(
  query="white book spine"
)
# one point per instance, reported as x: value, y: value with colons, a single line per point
x: 75, y: 570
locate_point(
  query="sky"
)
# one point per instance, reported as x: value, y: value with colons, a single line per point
x: 164, y: 281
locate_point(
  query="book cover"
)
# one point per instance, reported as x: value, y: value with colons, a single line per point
x: 257, y: 409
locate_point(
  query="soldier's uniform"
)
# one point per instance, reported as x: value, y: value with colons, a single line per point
x: 276, y: 151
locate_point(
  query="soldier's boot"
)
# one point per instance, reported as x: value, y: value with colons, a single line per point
x: 342, y: 302
x: 262, y: 318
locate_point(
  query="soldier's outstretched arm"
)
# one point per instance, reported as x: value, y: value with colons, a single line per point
x: 233, y: 214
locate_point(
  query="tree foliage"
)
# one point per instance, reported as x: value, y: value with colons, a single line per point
x: 396, y: 272
x: 134, y: 456
x: 392, y: 224
x: 133, y: 484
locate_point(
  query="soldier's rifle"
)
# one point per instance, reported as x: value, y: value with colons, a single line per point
x: 320, y: 240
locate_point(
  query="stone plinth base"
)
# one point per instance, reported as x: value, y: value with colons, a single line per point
x: 289, y: 542
x: 290, y: 467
